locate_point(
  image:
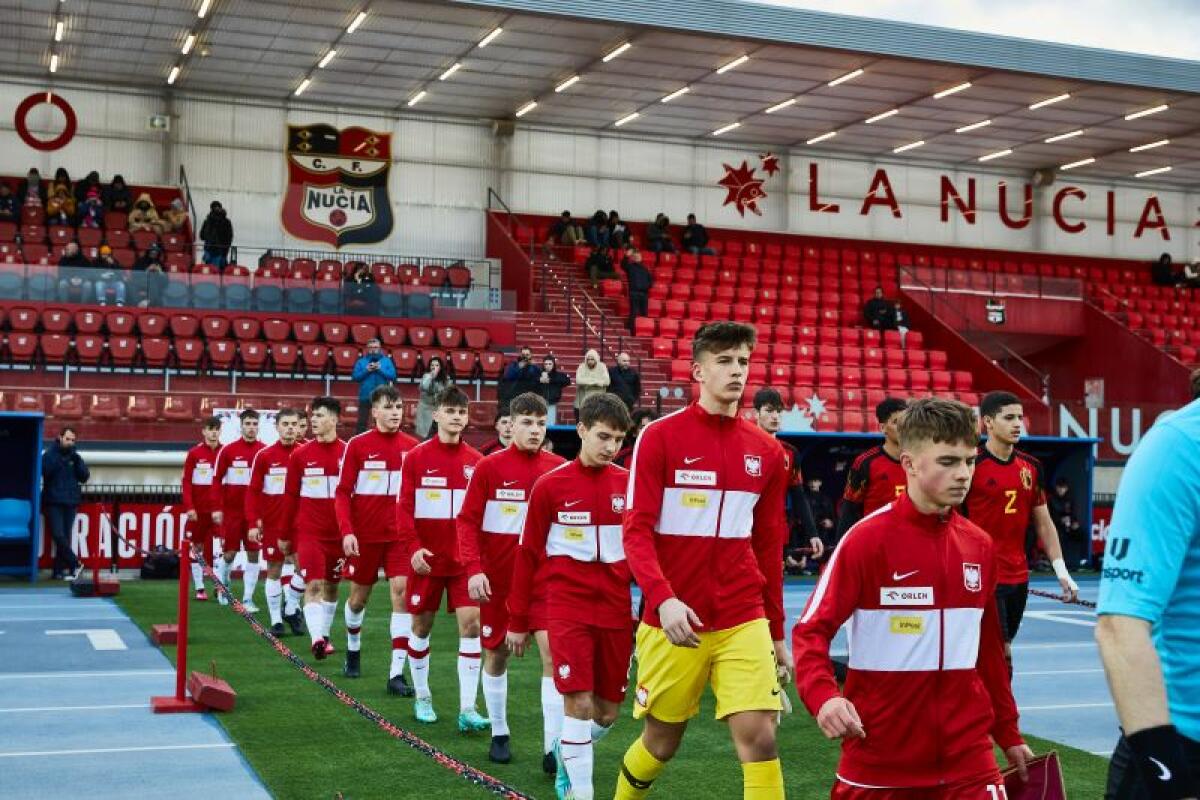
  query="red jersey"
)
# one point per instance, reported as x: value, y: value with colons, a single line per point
x: 791, y: 463
x: 705, y: 519
x: 927, y: 673
x: 875, y: 480
x: 433, y: 485
x: 232, y: 476
x: 1001, y: 501
x: 494, y: 446
x: 199, y: 467
x: 265, y: 498
x: 493, y: 513
x: 368, y: 485
x: 574, y: 523
x: 312, y: 479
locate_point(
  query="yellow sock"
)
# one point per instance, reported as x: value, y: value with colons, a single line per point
x: 638, y: 771
x: 762, y: 780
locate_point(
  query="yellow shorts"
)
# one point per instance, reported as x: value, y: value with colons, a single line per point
x: 739, y: 662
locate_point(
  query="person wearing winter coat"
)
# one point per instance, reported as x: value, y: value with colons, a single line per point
x: 144, y: 217
x: 89, y: 184
x: 118, y: 197
x: 175, y: 217
x: 550, y: 386
x: 591, y: 378
x: 60, y: 204
x: 433, y: 383
x: 217, y: 235
x: 63, y: 470
x: 32, y: 189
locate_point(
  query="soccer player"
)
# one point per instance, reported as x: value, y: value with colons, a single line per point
x: 199, y: 500
x: 1007, y: 496
x: 768, y: 406
x: 366, y: 515
x: 927, y: 690
x: 1150, y: 612
x: 230, y: 481
x: 266, y: 508
x: 489, y: 527
x: 876, y: 477
x: 704, y: 537
x: 433, y: 484
x: 504, y: 434
x: 312, y: 480
x: 574, y: 526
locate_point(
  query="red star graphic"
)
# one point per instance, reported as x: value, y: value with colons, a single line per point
x: 770, y: 163
x: 745, y: 190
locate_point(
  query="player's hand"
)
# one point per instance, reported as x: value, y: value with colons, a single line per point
x: 783, y: 659
x: 419, y: 563
x: 218, y: 517
x: 1019, y: 756
x: 517, y: 643
x: 255, y: 535
x: 818, y: 547
x: 838, y: 718
x: 679, y: 623
x: 192, y: 516
x: 350, y: 545
x: 1070, y: 589
x: 479, y: 588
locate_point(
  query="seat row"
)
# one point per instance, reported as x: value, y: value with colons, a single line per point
x: 771, y: 333
x: 115, y: 236
x: 835, y: 377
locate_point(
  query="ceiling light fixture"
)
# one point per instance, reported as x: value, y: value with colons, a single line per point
x: 1150, y: 146
x: 325, y: 59
x: 485, y: 41
x: 567, y: 84
x: 1067, y: 135
x: 983, y: 123
x: 54, y: 62
x: 303, y: 85
x: 455, y: 67
x: 525, y: 109
x: 362, y: 15
x: 204, y: 6
x: 625, y: 119
x: 676, y: 93
x: 1080, y: 163
x: 997, y: 154
x: 727, y: 128
x: 822, y: 137
x: 782, y: 106
x: 1149, y: 172
x: 174, y: 74
x: 952, y: 90
x: 58, y: 31
x: 909, y: 146
x: 849, y: 76
x: 737, y: 62
x: 617, y: 52
x: 188, y: 42
x: 1049, y: 101
x: 884, y: 115
x: 416, y: 98
x: 1145, y: 112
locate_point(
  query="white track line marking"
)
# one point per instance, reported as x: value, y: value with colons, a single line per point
x: 28, y: 753
x: 1061, y: 672
x: 98, y: 638
x: 88, y: 618
x: 138, y: 673
x: 33, y: 709
x: 1065, y: 706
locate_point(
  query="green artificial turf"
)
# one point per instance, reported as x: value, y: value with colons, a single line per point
x: 306, y: 744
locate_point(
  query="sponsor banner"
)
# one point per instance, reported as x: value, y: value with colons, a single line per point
x: 142, y: 525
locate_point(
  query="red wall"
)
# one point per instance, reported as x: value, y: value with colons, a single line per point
x: 516, y: 270
x: 1023, y: 315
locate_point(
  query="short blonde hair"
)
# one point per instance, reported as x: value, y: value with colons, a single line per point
x: 934, y: 420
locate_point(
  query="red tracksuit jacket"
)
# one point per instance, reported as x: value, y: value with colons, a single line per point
x: 265, y: 498
x: 574, y: 523
x: 368, y: 485
x: 312, y: 479
x: 199, y: 468
x: 232, y: 476
x: 927, y: 671
x: 705, y: 520
x: 433, y: 484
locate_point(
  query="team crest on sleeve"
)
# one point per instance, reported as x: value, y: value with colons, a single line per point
x: 564, y: 671
x: 618, y: 503
x: 468, y: 472
x: 753, y: 466
x: 1027, y: 478
x: 972, y: 577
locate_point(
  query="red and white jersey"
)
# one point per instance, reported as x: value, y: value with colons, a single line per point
x: 312, y: 480
x: 199, y: 469
x: 574, y: 523
x: 433, y: 485
x: 705, y: 519
x: 493, y: 513
x: 927, y: 673
x: 232, y: 477
x: 369, y: 483
x: 265, y: 496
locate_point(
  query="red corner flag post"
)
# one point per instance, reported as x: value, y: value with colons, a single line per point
x: 180, y: 702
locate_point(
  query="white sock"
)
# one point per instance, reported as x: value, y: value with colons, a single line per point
x: 289, y: 569
x: 314, y: 619
x: 274, y: 600
x: 599, y: 731
x: 197, y: 578
x: 401, y: 629
x: 222, y: 570
x: 576, y: 748
x: 249, y: 581
x: 552, y: 714
x: 418, y: 665
x: 495, y: 697
x: 469, y: 652
x: 330, y: 610
x: 354, y: 621
x: 293, y: 593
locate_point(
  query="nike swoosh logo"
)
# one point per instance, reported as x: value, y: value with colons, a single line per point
x: 692, y: 460
x: 896, y: 576
x: 430, y: 471
x: 1165, y: 774
x: 373, y: 455
x: 775, y: 691
x: 572, y: 503
x: 509, y: 483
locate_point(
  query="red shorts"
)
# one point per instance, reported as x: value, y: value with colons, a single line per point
x: 320, y: 559
x: 591, y: 659
x: 364, y: 568
x: 425, y: 593
x: 203, y: 529
x: 493, y: 617
x: 234, y: 538
x: 985, y: 787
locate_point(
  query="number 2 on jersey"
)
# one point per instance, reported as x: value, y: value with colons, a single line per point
x: 1011, y: 506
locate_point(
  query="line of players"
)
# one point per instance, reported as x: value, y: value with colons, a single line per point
x: 523, y: 542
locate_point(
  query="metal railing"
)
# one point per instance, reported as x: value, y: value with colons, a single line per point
x: 994, y: 284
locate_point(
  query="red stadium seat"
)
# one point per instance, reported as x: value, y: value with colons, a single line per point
x: 420, y: 336
x: 143, y: 239
x: 246, y: 329
x: 215, y: 326
x: 253, y: 355
x: 277, y: 330
x: 156, y: 351
x: 56, y: 320
x: 962, y: 381
x: 28, y: 401
x: 335, y: 332
x: 940, y: 381
x: 344, y: 358
x: 306, y: 331
x: 141, y: 407
x: 89, y: 349
x: 104, y: 406
x: 363, y: 332
x: 492, y: 365
x: 122, y: 350
x: 478, y: 338
x: 178, y: 409
x: 449, y: 336
x: 284, y: 356
x: 23, y: 319
x: 462, y: 364
x: 173, y: 242
x: 67, y: 405
x: 55, y: 347
x: 406, y: 361
x: 151, y: 323
x: 188, y: 352
x: 184, y: 326
x: 221, y: 354
x: 481, y: 415
x: 60, y: 235
x: 117, y: 322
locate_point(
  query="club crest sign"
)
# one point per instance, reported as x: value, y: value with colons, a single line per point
x: 337, y: 191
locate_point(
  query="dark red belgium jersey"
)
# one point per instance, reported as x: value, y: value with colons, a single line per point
x: 875, y: 480
x: 1001, y: 501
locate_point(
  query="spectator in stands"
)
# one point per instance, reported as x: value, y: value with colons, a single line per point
x: 591, y: 377
x: 1190, y: 276
x: 434, y: 382
x: 519, y: 377
x: 32, y: 189
x: 618, y: 231
x: 149, y: 277
x: 144, y: 217
x: 822, y: 509
x: 640, y: 281
x: 88, y: 184
x: 551, y: 383
x: 361, y: 294
x: 641, y: 418
x: 597, y: 231
x: 60, y: 202
x: 599, y: 266
x: 877, y: 311
x: 175, y: 217
x: 217, y: 235
x: 74, y: 285
x: 1062, y: 513
x: 63, y: 470
x: 625, y: 382
x: 658, y: 235
x: 118, y: 197
x: 565, y: 232
x: 91, y: 208
x: 695, y: 238
x: 504, y: 433
x: 899, y: 321
x: 373, y: 369
x: 9, y: 211
x: 109, y: 286
x: 1162, y: 271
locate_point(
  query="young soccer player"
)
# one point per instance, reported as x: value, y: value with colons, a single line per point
x: 1008, y: 496
x: 927, y: 691
x: 312, y: 480
x: 574, y: 525
x: 489, y: 527
x: 504, y: 434
x: 433, y: 484
x: 366, y: 515
x: 266, y: 507
x: 230, y: 482
x: 199, y: 500
x: 704, y: 538
x: 876, y: 477
x: 768, y: 407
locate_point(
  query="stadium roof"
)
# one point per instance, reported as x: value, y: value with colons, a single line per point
x: 720, y: 70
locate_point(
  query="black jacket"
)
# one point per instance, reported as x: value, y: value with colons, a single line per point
x: 695, y: 235
x: 117, y: 197
x: 877, y: 310
x: 552, y: 392
x: 640, y: 278
x: 62, y: 473
x: 77, y: 260
x: 625, y: 383
x: 217, y: 231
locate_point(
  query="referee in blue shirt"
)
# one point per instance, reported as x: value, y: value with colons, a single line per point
x: 1149, y: 626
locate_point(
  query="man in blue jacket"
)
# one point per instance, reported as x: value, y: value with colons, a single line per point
x: 373, y: 369
x: 63, y: 471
